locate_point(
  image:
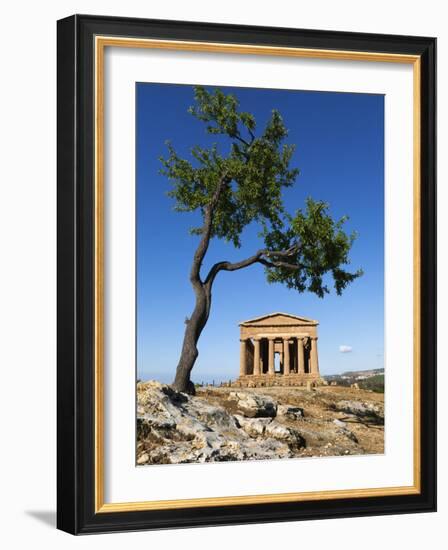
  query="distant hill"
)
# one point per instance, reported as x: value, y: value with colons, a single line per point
x: 372, y: 379
x: 367, y: 373
x: 355, y: 374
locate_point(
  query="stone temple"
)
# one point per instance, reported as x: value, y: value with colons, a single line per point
x: 278, y: 349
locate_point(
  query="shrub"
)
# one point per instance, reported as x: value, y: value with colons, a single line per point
x: 374, y: 383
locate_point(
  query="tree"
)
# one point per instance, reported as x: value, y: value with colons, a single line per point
x: 245, y: 185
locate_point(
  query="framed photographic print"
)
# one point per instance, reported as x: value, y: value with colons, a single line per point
x: 246, y: 274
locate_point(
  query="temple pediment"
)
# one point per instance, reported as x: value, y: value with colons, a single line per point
x: 279, y: 319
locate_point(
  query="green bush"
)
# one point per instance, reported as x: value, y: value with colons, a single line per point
x: 374, y: 383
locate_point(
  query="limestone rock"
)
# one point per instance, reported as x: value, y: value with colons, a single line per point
x: 286, y: 434
x: 143, y: 458
x: 177, y: 428
x: 255, y: 427
x: 339, y: 423
x: 359, y: 408
x: 174, y: 428
x: 213, y: 416
x: 254, y: 405
x: 349, y: 434
x: 290, y: 411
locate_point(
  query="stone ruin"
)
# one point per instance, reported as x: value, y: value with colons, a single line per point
x: 278, y: 349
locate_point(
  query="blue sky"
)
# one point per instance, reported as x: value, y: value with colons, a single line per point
x: 339, y: 141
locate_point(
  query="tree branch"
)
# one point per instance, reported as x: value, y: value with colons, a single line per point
x: 241, y: 139
x: 206, y: 232
x: 228, y: 266
x: 293, y: 267
x: 282, y: 253
x: 258, y: 257
x: 244, y: 141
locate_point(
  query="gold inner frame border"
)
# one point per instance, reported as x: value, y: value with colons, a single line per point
x: 100, y: 43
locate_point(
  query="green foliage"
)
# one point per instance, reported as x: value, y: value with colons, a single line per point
x: 374, y: 383
x: 247, y: 184
x: 321, y: 248
x: 255, y: 169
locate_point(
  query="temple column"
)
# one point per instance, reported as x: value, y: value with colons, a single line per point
x: 271, y: 365
x: 243, y: 357
x: 314, y: 360
x: 256, y: 356
x: 262, y: 355
x: 293, y: 356
x: 286, y: 366
x: 300, y: 356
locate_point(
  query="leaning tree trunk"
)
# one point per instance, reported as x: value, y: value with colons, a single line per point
x: 203, y: 293
x: 193, y: 329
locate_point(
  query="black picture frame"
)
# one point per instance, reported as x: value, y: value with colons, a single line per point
x: 76, y: 512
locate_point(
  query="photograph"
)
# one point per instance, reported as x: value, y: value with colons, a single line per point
x: 260, y: 225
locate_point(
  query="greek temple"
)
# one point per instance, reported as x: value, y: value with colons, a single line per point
x: 278, y: 349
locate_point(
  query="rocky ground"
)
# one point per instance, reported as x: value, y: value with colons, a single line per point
x: 227, y: 424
